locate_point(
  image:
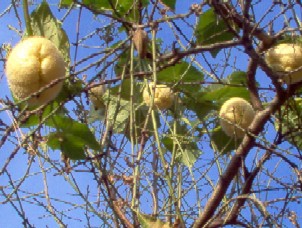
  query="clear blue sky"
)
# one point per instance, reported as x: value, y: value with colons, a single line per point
x: 61, y: 189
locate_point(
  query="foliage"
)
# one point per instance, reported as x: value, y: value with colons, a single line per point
x: 128, y: 165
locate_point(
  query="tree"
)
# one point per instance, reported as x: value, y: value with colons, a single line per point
x: 113, y: 160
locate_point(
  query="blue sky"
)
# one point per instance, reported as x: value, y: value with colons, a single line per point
x: 61, y: 189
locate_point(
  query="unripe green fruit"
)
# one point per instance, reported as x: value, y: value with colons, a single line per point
x: 96, y: 94
x: 33, y: 64
x: 236, y: 111
x: 163, y: 96
x: 286, y: 58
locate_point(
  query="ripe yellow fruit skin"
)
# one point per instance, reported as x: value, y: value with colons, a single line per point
x: 286, y: 58
x: 95, y: 96
x: 163, y: 96
x: 236, y: 111
x: 33, y: 64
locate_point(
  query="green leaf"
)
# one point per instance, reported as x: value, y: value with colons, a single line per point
x: 168, y: 143
x: 141, y: 113
x: 225, y: 93
x: 54, y: 140
x: 118, y: 112
x: 124, y: 90
x: 290, y: 38
x: 187, y: 151
x: 147, y: 221
x: 291, y: 121
x: 65, y: 3
x: 237, y: 77
x: 96, y: 115
x: 98, y: 5
x: 70, y: 145
x: 123, y: 64
x: 182, y: 73
x: 224, y: 143
x: 169, y: 3
x: 211, y: 29
x: 35, y: 119
x: 221, y: 93
x: 190, y: 154
x: 70, y: 89
x: 45, y: 24
x: 71, y: 137
x: 72, y: 129
x: 212, y: 97
x: 201, y: 106
x: 73, y: 146
x: 124, y: 8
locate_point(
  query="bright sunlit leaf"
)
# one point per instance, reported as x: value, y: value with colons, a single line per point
x: 183, y: 75
x: 71, y: 136
x: 45, y: 24
x: 212, y: 29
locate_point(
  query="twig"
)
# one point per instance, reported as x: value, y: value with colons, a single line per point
x: 29, y: 29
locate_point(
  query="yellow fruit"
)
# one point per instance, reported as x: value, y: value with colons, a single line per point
x: 236, y: 111
x: 163, y: 96
x: 286, y: 58
x: 96, y: 94
x: 33, y: 64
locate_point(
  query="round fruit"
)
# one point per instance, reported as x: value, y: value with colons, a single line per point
x: 33, y: 64
x: 163, y: 96
x: 286, y: 58
x: 236, y: 115
x: 96, y: 94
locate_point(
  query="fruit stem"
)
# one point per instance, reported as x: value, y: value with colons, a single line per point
x: 172, y: 198
x: 133, y: 138
x: 27, y: 18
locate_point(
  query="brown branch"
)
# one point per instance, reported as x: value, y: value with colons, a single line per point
x: 252, y: 85
x: 232, y: 169
x: 246, y: 190
x: 114, y: 202
x: 174, y: 56
x: 221, y: 222
x: 246, y: 8
x: 225, y: 10
x: 128, y: 24
x: 233, y: 215
x: 231, y: 218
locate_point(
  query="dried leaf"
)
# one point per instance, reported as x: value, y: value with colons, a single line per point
x: 140, y: 40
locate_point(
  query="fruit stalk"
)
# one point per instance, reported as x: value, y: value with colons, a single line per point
x: 27, y: 18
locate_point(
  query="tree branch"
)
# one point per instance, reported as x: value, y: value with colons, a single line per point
x: 232, y: 169
x: 225, y: 10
